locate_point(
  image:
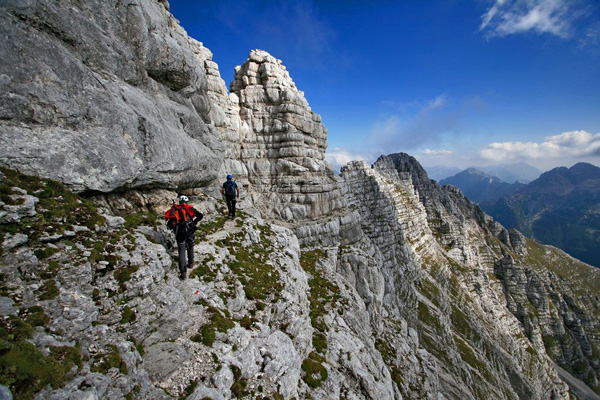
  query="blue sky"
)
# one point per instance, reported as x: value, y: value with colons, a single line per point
x: 451, y: 82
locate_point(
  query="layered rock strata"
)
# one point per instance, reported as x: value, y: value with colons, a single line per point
x: 506, y: 274
x: 418, y: 283
x: 283, y: 143
x: 257, y: 316
x: 104, y: 96
x: 387, y: 286
x: 127, y: 82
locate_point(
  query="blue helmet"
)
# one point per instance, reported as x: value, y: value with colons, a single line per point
x: 228, y: 176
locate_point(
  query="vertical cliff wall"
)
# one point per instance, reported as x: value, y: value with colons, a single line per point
x: 283, y: 147
x: 426, y: 288
x: 104, y: 96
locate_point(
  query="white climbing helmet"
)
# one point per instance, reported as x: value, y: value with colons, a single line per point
x: 184, y: 198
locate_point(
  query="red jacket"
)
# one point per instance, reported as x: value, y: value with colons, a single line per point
x: 179, y: 212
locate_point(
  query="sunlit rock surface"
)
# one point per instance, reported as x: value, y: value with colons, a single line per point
x: 376, y: 283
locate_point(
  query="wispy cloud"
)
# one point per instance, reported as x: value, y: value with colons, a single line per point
x: 438, y: 102
x: 411, y: 130
x: 591, y: 37
x: 438, y: 157
x: 338, y: 157
x: 507, y: 17
x: 436, y: 153
x: 568, y: 145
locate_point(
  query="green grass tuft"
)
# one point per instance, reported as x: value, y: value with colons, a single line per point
x: 15, y: 329
x: 246, y: 322
x: 220, y: 321
x: 48, y: 290
x: 35, y: 316
x: 389, y: 357
x: 314, y: 371
x: 45, y: 252
x: 324, y: 296
x: 123, y: 275
x: 128, y: 315
x: 67, y: 356
x: 137, y: 219
x: 25, y: 370
x: 209, y: 227
x: 189, y: 390
x: 111, y: 358
x: 238, y: 387
x: 138, y: 346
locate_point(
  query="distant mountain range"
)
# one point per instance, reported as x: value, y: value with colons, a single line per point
x: 479, y: 186
x: 560, y: 208
x: 509, y: 173
x: 439, y: 172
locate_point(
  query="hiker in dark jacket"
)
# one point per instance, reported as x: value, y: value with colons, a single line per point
x: 183, y: 218
x: 231, y: 192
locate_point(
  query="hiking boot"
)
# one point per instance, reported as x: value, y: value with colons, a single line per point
x: 182, y: 275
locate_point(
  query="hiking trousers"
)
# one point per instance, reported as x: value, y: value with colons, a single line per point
x: 230, y: 205
x: 185, y: 248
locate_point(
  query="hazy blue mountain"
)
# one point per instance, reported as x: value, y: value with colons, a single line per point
x: 561, y: 208
x: 440, y: 172
x: 511, y: 173
x: 479, y: 186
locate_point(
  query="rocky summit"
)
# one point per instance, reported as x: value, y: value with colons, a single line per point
x: 373, y: 284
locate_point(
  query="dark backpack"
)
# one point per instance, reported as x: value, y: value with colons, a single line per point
x: 184, y: 227
x: 230, y: 188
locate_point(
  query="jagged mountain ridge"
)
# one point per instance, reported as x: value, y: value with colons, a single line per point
x: 560, y: 208
x: 439, y: 172
x: 513, y: 173
x: 383, y: 284
x: 479, y: 186
x: 509, y: 173
x: 524, y: 269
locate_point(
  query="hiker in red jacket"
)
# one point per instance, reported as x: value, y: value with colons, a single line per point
x: 182, y: 219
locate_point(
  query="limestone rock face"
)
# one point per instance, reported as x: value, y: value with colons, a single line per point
x: 282, y: 143
x: 256, y: 316
x: 505, y: 271
x: 413, y: 280
x: 122, y: 98
x: 104, y: 96
x: 374, y: 284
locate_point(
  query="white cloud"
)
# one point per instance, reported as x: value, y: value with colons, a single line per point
x: 508, y: 17
x: 438, y: 102
x: 568, y: 145
x: 340, y: 157
x: 434, y: 153
x: 387, y: 131
x: 591, y: 36
x: 426, y: 124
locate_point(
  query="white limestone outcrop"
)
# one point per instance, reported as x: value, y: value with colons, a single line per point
x: 376, y: 283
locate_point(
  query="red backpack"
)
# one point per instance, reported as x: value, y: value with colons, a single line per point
x: 180, y: 216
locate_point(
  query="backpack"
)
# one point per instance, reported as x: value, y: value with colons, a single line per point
x: 180, y: 218
x: 230, y: 188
